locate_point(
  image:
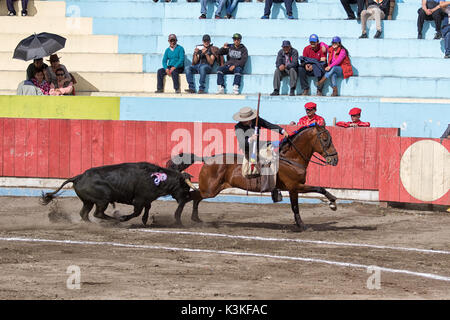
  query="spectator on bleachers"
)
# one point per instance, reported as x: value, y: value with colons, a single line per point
x: 311, y: 116
x: 445, y: 6
x: 38, y: 80
x: 377, y: 9
x: 231, y: 6
x: 203, y: 60
x: 32, y: 67
x: 338, y: 65
x: 286, y: 65
x: 220, y: 6
x: 355, y: 114
x: 63, y: 85
x: 430, y: 10
x: 237, y: 56
x: 12, y: 11
x: 268, y: 7
x: 173, y: 65
x: 349, y: 11
x: 312, y: 64
x: 55, y: 65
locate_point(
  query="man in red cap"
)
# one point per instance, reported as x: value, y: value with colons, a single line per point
x: 311, y: 116
x: 355, y: 113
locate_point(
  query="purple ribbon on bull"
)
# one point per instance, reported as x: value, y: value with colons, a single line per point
x: 159, y: 177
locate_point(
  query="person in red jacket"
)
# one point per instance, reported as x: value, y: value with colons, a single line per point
x: 355, y: 113
x: 311, y: 116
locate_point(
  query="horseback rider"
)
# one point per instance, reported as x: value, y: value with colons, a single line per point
x: 245, y: 134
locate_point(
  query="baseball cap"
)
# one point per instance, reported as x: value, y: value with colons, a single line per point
x: 336, y: 40
x: 172, y: 36
x: 310, y: 105
x: 313, y: 38
x: 237, y: 36
x: 206, y: 37
x: 286, y: 43
x: 355, y: 111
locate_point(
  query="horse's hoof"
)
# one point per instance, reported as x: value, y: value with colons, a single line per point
x: 333, y: 206
x: 178, y: 225
x: 196, y: 219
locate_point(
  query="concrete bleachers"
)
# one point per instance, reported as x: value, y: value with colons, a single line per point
x: 114, y: 47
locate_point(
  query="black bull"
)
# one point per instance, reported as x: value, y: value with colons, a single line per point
x: 136, y: 184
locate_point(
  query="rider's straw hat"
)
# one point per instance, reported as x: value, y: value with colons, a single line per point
x: 245, y: 114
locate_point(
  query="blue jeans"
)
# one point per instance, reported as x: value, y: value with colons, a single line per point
x: 203, y: 69
x: 335, y: 72
x: 231, y: 5
x: 220, y: 5
x: 226, y: 70
x: 446, y: 33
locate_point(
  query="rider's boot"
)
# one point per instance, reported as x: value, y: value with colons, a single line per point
x: 276, y: 195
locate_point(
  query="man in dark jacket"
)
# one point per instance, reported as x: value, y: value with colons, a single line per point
x: 315, y: 51
x: 245, y: 134
x: 286, y: 65
x: 377, y: 9
x: 237, y: 56
x: 430, y: 10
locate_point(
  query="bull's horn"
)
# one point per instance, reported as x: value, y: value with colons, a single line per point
x: 189, y: 183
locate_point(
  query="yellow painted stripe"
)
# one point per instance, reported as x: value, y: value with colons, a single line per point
x: 49, y: 107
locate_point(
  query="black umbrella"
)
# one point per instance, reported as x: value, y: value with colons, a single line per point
x: 38, y: 46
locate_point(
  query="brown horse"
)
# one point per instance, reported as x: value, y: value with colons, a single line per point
x: 224, y: 171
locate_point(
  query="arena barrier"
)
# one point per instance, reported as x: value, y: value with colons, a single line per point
x: 369, y: 158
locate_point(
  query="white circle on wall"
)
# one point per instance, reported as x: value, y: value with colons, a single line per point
x: 425, y: 170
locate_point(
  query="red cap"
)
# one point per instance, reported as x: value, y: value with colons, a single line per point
x: 355, y: 111
x: 310, y: 105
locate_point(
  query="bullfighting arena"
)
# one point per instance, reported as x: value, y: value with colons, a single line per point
x: 240, y: 251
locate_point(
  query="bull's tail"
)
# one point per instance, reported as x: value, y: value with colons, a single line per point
x: 182, y: 161
x: 48, y: 197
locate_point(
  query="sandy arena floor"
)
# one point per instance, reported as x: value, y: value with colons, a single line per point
x: 163, y: 268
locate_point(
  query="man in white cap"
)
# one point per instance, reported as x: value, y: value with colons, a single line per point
x: 245, y: 134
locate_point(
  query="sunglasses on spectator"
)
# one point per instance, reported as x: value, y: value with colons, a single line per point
x: 173, y: 40
x: 60, y: 74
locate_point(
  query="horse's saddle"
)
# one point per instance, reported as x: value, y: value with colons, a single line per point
x: 261, y: 176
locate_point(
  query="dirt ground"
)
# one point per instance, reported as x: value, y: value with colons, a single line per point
x: 38, y: 270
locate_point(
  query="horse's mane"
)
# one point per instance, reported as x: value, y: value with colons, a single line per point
x: 285, y: 141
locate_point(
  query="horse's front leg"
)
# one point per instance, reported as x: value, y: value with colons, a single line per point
x: 293, y: 196
x: 308, y: 189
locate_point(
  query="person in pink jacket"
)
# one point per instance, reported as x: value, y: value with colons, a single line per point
x: 64, y: 87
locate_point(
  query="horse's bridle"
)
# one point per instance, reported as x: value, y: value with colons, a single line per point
x: 325, y: 145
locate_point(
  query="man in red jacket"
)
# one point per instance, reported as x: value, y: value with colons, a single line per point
x: 355, y: 113
x: 311, y: 116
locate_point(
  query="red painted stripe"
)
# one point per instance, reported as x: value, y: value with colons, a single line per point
x: 141, y: 140
x: 64, y: 148
x: 8, y: 147
x: 20, y: 147
x: 97, y: 143
x: 130, y: 141
x: 53, y: 149
x: 119, y: 141
x: 151, y: 141
x: 86, y: 145
x: 370, y: 180
x: 75, y: 148
x: 43, y: 144
x: 32, y: 148
x: 108, y: 142
x: 357, y: 148
x: 1, y: 146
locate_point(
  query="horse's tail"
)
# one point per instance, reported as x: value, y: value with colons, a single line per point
x: 182, y: 161
x: 48, y: 197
